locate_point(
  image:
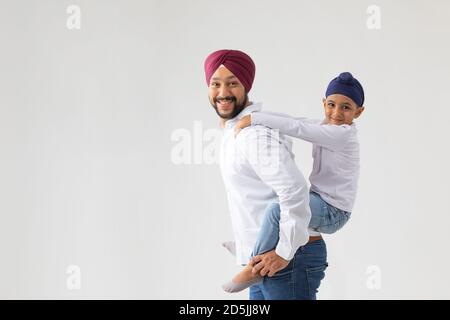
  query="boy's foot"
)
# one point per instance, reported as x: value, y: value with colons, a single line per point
x: 230, y: 246
x: 242, y: 280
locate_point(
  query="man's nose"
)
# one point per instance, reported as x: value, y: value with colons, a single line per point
x: 224, y: 92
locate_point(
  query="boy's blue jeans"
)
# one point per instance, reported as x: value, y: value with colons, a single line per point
x: 324, y: 217
x: 301, y: 278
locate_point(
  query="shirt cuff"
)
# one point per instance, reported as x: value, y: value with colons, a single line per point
x: 284, y: 251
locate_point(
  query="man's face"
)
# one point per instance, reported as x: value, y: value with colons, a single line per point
x: 226, y: 93
x: 340, y: 109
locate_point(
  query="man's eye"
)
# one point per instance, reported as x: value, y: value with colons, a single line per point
x: 214, y: 84
x: 232, y: 84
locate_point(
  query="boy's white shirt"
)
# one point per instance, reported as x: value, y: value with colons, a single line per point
x: 335, y: 152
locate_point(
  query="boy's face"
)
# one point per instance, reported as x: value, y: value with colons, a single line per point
x: 340, y: 109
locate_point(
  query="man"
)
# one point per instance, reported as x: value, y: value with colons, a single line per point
x: 258, y: 169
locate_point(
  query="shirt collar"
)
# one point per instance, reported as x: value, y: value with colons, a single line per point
x: 257, y: 106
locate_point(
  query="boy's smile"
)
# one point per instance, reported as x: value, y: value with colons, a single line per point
x: 340, y: 109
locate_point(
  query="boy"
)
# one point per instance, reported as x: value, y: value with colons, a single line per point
x: 335, y: 168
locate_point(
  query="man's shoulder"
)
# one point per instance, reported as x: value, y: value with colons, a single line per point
x: 261, y: 135
x: 256, y: 132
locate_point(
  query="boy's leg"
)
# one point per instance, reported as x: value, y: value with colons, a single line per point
x: 267, y: 240
x: 269, y: 234
x: 324, y: 217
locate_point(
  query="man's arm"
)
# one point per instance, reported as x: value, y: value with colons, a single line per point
x: 273, y: 163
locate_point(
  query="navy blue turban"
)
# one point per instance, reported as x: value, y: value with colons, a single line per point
x: 348, y: 86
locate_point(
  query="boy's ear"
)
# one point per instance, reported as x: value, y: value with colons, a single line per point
x: 358, y: 112
x: 324, y: 102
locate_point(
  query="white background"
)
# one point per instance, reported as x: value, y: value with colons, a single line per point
x: 86, y: 119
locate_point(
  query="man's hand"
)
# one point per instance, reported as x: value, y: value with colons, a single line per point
x: 268, y: 263
x: 244, y: 122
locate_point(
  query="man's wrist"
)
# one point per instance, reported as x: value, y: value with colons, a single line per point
x: 283, y: 252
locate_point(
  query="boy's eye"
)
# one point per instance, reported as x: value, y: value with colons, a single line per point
x: 214, y: 84
x: 330, y: 104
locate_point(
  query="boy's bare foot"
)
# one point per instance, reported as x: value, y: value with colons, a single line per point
x: 242, y: 280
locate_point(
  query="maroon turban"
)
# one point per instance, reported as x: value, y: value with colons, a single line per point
x: 239, y: 63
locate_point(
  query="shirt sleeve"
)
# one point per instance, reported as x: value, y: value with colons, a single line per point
x: 273, y: 163
x: 333, y: 137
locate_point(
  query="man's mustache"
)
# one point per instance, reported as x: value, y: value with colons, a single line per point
x: 228, y: 99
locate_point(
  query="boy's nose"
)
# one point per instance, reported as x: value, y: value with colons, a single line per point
x: 337, y: 113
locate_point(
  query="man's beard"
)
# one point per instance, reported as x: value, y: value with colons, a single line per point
x: 237, y: 107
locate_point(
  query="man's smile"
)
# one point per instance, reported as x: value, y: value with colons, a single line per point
x: 225, y: 104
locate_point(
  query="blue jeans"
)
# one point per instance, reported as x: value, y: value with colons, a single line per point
x: 300, y: 280
x: 306, y: 270
x: 324, y: 218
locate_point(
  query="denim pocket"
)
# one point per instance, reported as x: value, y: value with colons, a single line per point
x: 314, y: 276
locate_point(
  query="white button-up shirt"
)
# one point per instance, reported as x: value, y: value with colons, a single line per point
x: 258, y: 168
x: 335, y: 152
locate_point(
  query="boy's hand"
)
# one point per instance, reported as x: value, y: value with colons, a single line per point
x: 244, y: 122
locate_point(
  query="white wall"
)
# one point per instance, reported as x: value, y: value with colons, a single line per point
x: 87, y: 116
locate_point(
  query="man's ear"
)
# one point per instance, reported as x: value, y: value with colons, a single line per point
x: 358, y: 112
